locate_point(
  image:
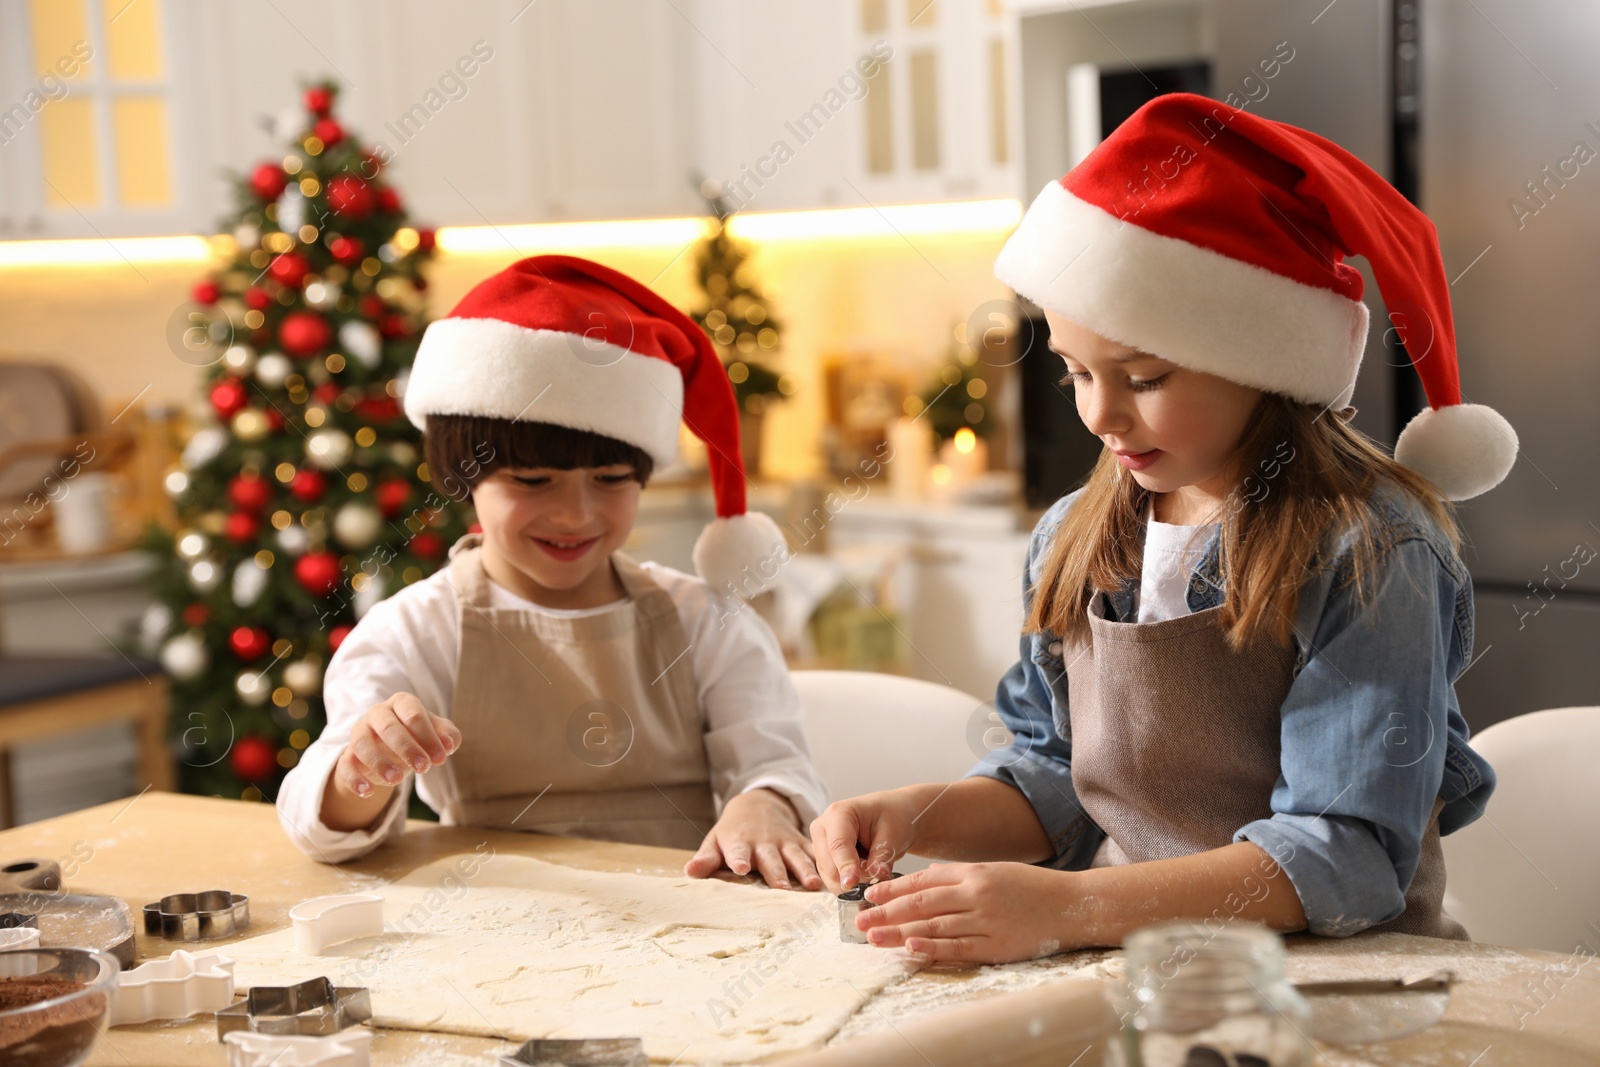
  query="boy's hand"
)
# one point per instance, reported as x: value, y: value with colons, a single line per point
x: 975, y: 913
x: 391, y: 738
x: 860, y: 839
x: 758, y: 830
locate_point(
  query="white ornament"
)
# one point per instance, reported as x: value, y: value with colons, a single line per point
x: 295, y: 540
x: 239, y: 358
x: 247, y: 236
x: 367, y: 596
x: 273, y: 369
x: 191, y: 544
x: 291, y: 210
x: 303, y: 677
x: 322, y: 295
x: 357, y: 525
x: 362, y: 341
x: 329, y: 449
x: 403, y: 453
x: 204, y: 575
x: 153, y: 626
x: 252, y: 688
x: 249, y: 582
x: 184, y: 657
x: 206, y: 445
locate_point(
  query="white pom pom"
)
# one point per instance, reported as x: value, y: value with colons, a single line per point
x: 1464, y: 449
x: 741, y: 556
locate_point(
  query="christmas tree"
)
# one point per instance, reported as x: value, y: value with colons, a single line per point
x: 955, y: 399
x: 307, y: 500
x: 735, y: 313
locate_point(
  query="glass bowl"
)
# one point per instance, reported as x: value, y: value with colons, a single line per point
x: 54, y: 1003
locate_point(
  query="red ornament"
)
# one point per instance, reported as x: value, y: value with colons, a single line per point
x: 257, y: 298
x: 347, y: 250
x: 206, y: 292
x: 304, y: 333
x: 394, y: 326
x: 328, y: 132
x: 428, y: 545
x: 274, y: 419
x: 250, y: 643
x: 349, y: 197
x: 241, y: 526
x: 388, y: 201
x: 196, y: 615
x: 426, y: 239
x: 289, y: 269
x: 337, y: 635
x: 228, y: 398
x: 373, y: 307
x: 250, y: 492
x: 392, y: 496
x: 319, y: 101
x: 253, y: 758
x: 327, y: 393
x: 268, y: 181
x: 317, y: 572
x: 308, y: 485
x: 378, y: 408
x: 419, y: 283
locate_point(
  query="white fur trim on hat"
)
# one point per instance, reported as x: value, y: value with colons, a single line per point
x: 500, y: 370
x: 1185, y: 303
x: 1464, y: 449
x: 741, y: 555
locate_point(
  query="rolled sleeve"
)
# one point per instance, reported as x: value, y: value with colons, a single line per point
x: 1365, y: 731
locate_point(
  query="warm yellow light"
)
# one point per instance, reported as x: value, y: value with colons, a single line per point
x: 97, y: 251
x: 966, y: 440
x: 940, y: 474
x: 537, y: 238
x: 892, y: 221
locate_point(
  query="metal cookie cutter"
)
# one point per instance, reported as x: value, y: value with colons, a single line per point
x: 590, y: 1052
x: 853, y: 902
x: 325, y: 921
x: 19, y: 930
x: 177, y: 987
x: 352, y: 1048
x: 314, y: 1008
x: 197, y: 916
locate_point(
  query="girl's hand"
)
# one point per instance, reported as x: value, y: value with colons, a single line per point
x: 859, y: 839
x: 392, y: 737
x: 759, y: 827
x: 975, y: 913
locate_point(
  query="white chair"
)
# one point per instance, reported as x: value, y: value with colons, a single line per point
x: 881, y: 731
x: 1527, y: 873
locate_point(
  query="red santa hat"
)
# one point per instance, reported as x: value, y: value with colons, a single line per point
x: 561, y: 340
x: 1216, y: 239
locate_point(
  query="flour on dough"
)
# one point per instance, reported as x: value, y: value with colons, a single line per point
x: 511, y: 947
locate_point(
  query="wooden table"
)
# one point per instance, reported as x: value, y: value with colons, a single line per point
x: 159, y: 843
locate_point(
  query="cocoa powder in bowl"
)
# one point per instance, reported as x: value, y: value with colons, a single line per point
x: 58, y: 1034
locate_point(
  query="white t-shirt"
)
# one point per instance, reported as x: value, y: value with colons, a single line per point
x: 1171, y: 553
x: 754, y: 729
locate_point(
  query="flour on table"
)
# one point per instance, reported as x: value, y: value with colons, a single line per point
x: 511, y: 947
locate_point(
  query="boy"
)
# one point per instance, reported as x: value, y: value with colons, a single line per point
x: 544, y: 680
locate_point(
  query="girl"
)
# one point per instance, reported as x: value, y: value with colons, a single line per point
x: 1235, y: 698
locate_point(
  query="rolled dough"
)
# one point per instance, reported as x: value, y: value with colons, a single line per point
x: 511, y: 947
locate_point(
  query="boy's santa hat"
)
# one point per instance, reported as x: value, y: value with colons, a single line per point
x: 1216, y: 239
x: 561, y: 340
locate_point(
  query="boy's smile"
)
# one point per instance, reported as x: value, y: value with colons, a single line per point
x: 548, y: 535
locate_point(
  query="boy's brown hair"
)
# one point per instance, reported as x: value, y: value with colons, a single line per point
x: 463, y: 450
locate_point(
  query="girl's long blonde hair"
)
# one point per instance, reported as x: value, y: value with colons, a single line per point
x: 1299, y: 472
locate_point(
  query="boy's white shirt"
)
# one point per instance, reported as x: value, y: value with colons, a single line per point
x: 754, y: 729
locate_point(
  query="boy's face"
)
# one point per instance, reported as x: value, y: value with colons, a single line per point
x: 548, y: 534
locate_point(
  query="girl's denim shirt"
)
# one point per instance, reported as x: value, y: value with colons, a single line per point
x: 1371, y: 733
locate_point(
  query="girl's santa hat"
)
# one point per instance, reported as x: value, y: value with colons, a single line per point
x: 1216, y: 239
x: 561, y: 340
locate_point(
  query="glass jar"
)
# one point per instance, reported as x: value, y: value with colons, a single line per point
x: 1210, y: 997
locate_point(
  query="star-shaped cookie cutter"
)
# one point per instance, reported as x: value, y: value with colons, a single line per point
x: 314, y: 1008
x: 177, y: 987
x: 197, y: 916
x: 586, y: 1052
x: 352, y: 1048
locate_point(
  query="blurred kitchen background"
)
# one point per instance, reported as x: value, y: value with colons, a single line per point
x: 825, y: 186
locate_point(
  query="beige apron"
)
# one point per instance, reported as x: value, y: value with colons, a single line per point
x: 1175, y: 745
x: 585, y: 727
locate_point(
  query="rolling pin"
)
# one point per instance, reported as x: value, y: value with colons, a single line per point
x: 1065, y: 1022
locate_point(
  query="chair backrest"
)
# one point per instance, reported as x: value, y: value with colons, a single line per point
x: 1527, y: 872
x: 882, y: 731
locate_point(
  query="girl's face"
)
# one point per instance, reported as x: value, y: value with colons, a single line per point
x: 548, y: 534
x: 1173, y: 428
